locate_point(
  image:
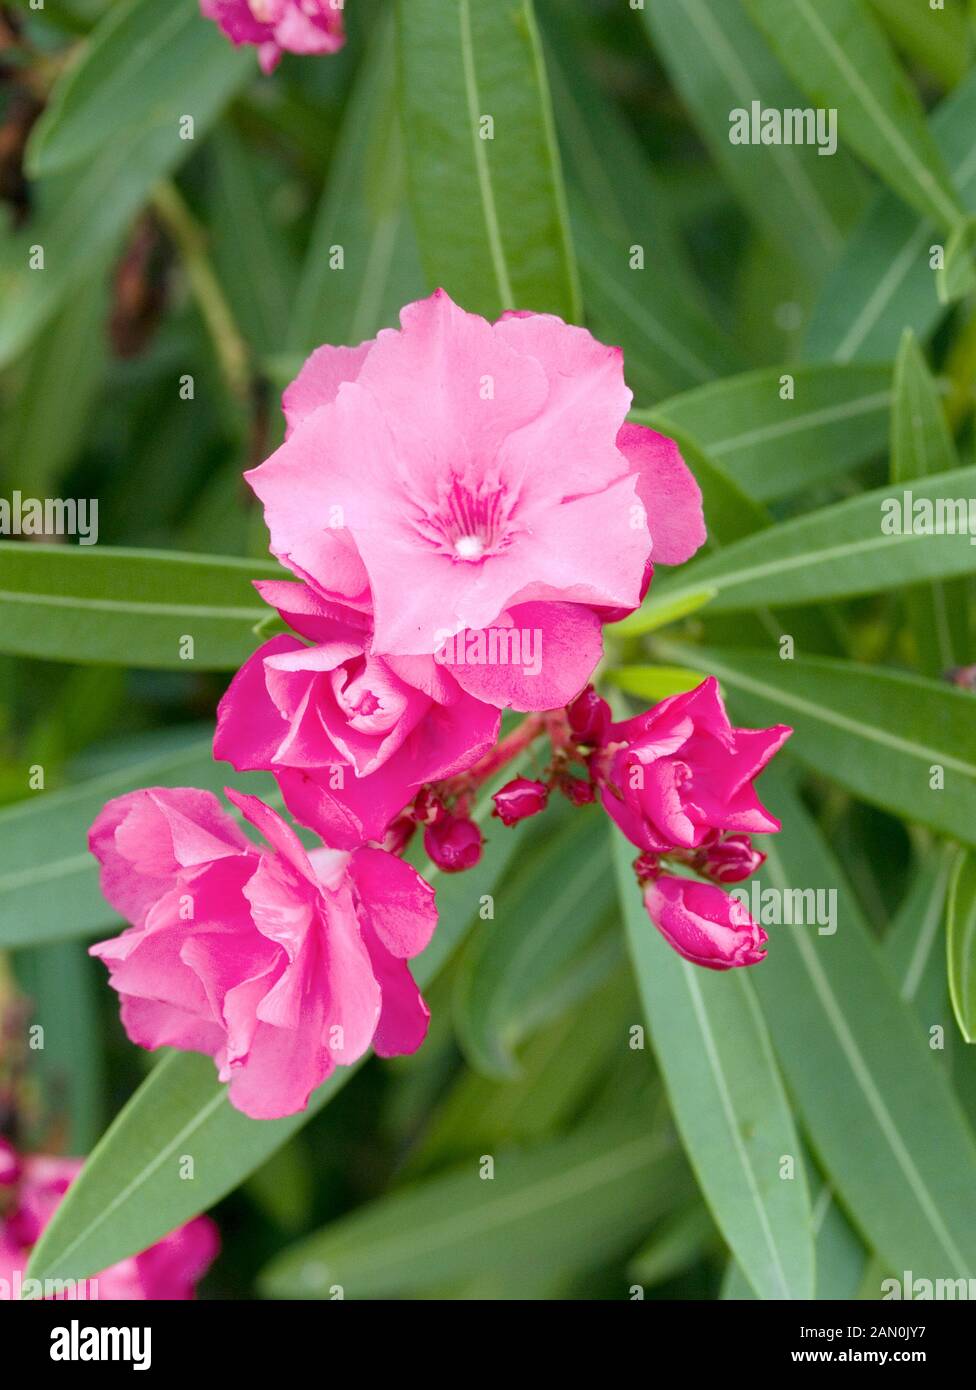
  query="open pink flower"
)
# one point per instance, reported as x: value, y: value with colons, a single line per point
x: 168, y: 1270
x: 679, y: 772
x: 703, y: 924
x: 351, y: 737
x: 277, y: 963
x: 280, y: 26
x: 477, y: 482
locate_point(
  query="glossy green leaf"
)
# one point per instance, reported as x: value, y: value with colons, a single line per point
x: 839, y: 56
x: 565, y: 1206
x: 961, y: 944
x: 485, y: 180
x: 885, y: 736
x: 859, y: 1066
x: 363, y: 212
x: 935, y: 37
x: 122, y: 80
x: 134, y: 607
x: 922, y: 445
x: 542, y: 947
x: 886, y: 277
x: 913, y: 944
x: 836, y: 418
x: 837, y: 552
x: 79, y: 215
x: 131, y: 1191
x: 727, y: 1099
x: 803, y: 203
x: 956, y: 278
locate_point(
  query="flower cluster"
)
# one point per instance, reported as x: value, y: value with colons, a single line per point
x: 279, y: 26
x: 464, y: 509
x: 31, y: 1188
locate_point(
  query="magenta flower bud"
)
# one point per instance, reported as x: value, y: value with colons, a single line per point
x: 703, y: 924
x: 454, y: 843
x: 578, y: 790
x: 519, y: 799
x: 730, y: 859
x: 589, y: 717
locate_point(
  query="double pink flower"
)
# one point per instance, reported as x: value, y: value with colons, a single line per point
x: 463, y: 506
x: 279, y: 26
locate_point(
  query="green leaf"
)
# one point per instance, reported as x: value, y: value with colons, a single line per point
x: 885, y: 279
x: 834, y: 553
x: 859, y: 1066
x: 881, y: 734
x: 79, y: 215
x: 669, y: 342
x: 803, y: 203
x: 842, y: 60
x: 659, y: 682
x: 363, y: 211
x: 541, y: 951
x: 727, y: 1099
x: 65, y: 363
x: 913, y: 943
x: 922, y: 445
x: 60, y: 982
x: 936, y: 38
x: 957, y: 277
x: 122, y: 80
x: 128, y: 607
x: 485, y: 179
x: 131, y: 1192
x: 772, y: 447
x: 961, y: 944
x: 565, y: 1206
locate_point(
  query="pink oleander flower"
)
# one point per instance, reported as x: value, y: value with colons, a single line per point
x: 703, y: 924
x: 350, y: 736
x: 519, y: 799
x: 674, y: 775
x: 279, y: 26
x: 168, y: 1270
x: 279, y: 964
x: 476, y: 482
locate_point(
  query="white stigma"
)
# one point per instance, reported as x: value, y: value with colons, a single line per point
x: 469, y: 547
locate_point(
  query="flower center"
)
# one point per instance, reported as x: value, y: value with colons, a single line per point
x: 261, y: 10
x: 469, y: 522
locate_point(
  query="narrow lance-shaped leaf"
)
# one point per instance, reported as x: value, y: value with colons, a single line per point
x: 961, y: 944
x: 869, y: 544
x: 485, y: 180
x: 542, y: 947
x: 780, y: 430
x: 842, y: 60
x: 922, y: 445
x: 886, y: 278
x: 567, y: 1205
x: 79, y: 213
x: 858, y: 1062
x: 128, y: 607
x: 727, y: 1099
x: 804, y: 204
x: 363, y: 212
